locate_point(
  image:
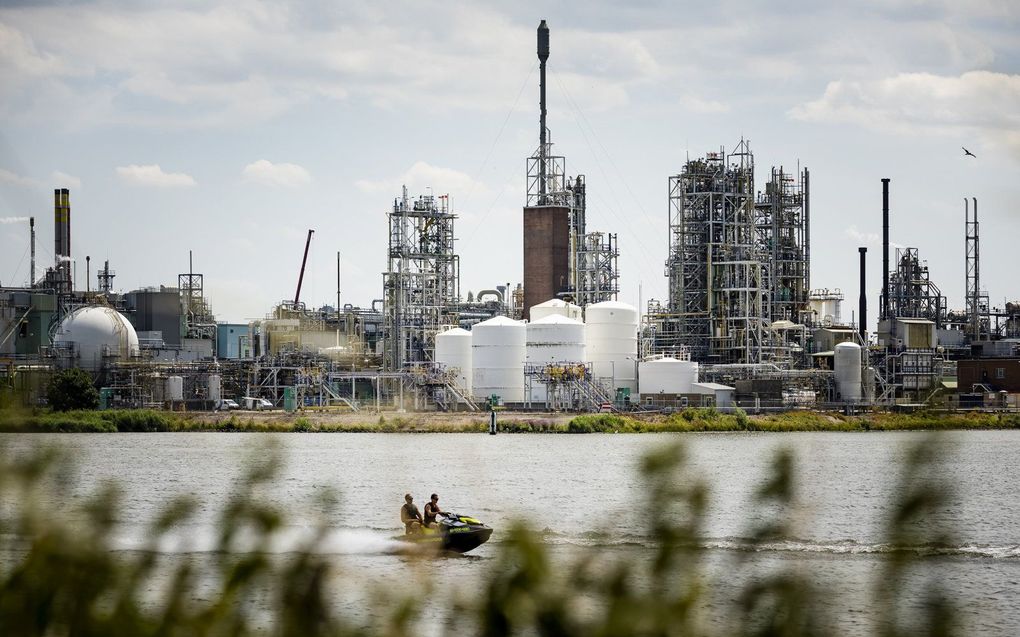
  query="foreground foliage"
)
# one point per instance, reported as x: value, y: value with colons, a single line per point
x: 63, y: 579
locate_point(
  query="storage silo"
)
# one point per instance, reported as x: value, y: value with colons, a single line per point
x: 453, y: 350
x: 666, y: 376
x: 611, y: 339
x: 556, y: 307
x: 847, y: 364
x: 553, y: 339
x: 497, y: 359
x: 214, y: 385
x: 175, y: 388
x: 91, y: 336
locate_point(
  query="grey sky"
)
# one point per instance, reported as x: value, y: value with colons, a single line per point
x: 231, y: 128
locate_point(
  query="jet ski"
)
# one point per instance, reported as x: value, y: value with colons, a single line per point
x: 451, y: 532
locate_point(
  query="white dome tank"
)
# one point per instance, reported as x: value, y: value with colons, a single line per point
x: 611, y: 334
x: 497, y: 359
x: 847, y: 363
x: 453, y: 350
x: 96, y: 334
x: 553, y: 339
x: 666, y: 376
x: 555, y: 307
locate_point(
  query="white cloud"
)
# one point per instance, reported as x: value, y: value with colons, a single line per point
x: 286, y: 175
x: 63, y: 180
x: 423, y: 175
x: 9, y: 177
x: 861, y: 238
x: 975, y: 103
x: 696, y: 104
x: 153, y: 175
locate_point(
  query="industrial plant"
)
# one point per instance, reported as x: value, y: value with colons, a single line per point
x: 743, y: 326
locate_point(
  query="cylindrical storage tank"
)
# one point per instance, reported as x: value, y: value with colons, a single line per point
x: 611, y: 335
x: 555, y: 307
x: 666, y: 376
x: 175, y: 388
x: 453, y: 351
x: 95, y: 335
x: 847, y: 364
x: 497, y: 359
x: 214, y: 385
x: 553, y: 339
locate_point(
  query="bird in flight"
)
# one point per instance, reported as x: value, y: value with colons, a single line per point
x: 967, y: 152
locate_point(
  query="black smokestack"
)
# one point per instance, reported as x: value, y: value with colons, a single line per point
x: 543, y: 55
x: 862, y: 303
x: 885, y: 248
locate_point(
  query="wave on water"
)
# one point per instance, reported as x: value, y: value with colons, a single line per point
x: 596, y: 539
x: 343, y: 541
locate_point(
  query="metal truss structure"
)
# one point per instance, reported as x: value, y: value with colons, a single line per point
x: 782, y: 220
x: 978, y: 311
x: 912, y: 294
x: 421, y: 285
x: 719, y: 293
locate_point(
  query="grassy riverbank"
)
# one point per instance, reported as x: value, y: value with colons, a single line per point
x: 689, y: 420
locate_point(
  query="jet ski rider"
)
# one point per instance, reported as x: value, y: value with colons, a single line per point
x: 410, y: 516
x: 432, y: 510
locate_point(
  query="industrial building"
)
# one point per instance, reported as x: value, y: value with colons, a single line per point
x: 742, y: 325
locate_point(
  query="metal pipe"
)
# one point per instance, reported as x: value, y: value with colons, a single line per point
x: 304, y: 260
x: 885, y: 248
x: 543, y: 55
x: 31, y: 228
x: 862, y: 303
x: 88, y: 272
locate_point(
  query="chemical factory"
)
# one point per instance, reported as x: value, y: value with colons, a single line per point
x: 742, y: 325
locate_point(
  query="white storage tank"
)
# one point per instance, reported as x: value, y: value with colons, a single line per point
x: 666, y: 376
x: 175, y: 388
x: 553, y: 339
x: 611, y: 340
x: 497, y: 359
x: 453, y: 351
x: 93, y: 335
x: 214, y: 385
x: 847, y: 364
x: 557, y: 307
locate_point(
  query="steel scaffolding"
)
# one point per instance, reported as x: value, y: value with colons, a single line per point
x: 718, y: 288
x: 421, y: 285
x: 978, y: 311
x: 911, y: 293
x: 782, y: 220
x: 593, y: 261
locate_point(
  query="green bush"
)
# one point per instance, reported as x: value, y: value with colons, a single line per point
x: 72, y: 389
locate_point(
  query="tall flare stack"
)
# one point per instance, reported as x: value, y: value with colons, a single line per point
x: 62, y: 238
x: 547, y: 215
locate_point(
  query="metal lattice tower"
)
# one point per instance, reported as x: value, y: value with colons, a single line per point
x: 912, y: 294
x: 718, y: 288
x: 421, y: 285
x: 597, y: 268
x: 978, y: 319
x: 200, y: 322
x: 783, y: 223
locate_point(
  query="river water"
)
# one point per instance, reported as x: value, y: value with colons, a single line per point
x: 586, y: 494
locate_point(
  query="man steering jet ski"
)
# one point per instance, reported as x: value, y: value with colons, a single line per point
x: 441, y: 529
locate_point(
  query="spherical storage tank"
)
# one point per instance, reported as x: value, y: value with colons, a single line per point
x: 555, y: 306
x: 666, y: 376
x: 553, y: 339
x: 96, y: 334
x: 453, y: 351
x: 847, y: 364
x: 497, y: 359
x: 611, y: 335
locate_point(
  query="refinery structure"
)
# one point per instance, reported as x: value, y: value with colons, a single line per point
x: 742, y: 325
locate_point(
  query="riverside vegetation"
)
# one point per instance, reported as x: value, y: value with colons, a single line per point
x: 58, y: 578
x: 688, y: 420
